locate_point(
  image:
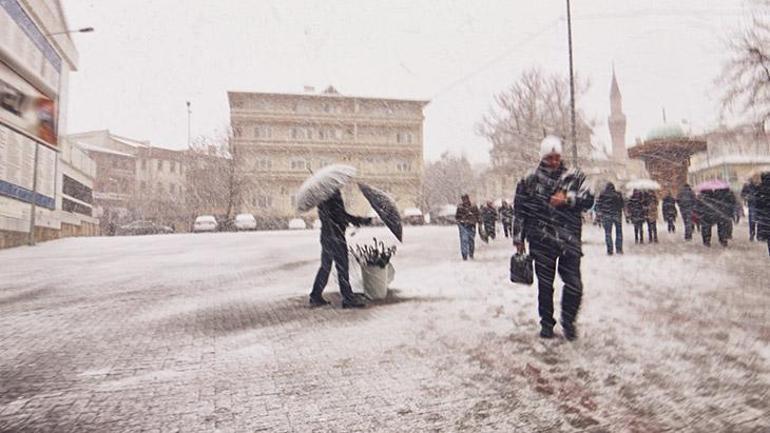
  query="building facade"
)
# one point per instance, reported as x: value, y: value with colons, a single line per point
x: 732, y: 155
x: 35, y: 63
x: 135, y: 180
x: 279, y: 139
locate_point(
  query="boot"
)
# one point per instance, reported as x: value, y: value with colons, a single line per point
x: 353, y: 303
x: 318, y: 301
x: 570, y: 333
x: 546, y: 332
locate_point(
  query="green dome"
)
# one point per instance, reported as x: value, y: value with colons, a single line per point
x: 666, y: 131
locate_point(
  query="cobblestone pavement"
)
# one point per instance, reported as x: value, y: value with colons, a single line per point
x: 211, y: 333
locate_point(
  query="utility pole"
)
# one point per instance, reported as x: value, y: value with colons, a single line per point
x: 571, y: 86
x: 189, y: 114
x: 33, y: 208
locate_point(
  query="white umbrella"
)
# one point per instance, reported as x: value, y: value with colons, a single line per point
x: 643, y: 184
x: 322, y: 184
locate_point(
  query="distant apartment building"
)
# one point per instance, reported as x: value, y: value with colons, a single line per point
x: 135, y: 180
x: 280, y: 139
x: 35, y: 63
x: 732, y: 155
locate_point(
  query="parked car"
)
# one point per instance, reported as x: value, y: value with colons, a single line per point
x: 245, y: 221
x: 297, y: 224
x: 445, y: 215
x: 205, y: 223
x: 143, y: 228
x: 413, y: 216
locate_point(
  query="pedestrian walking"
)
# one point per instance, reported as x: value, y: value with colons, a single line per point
x: 686, y: 201
x: 548, y: 211
x: 609, y: 205
x: 715, y: 207
x: 467, y: 217
x: 489, y: 217
x: 650, y: 200
x: 506, y: 218
x: 762, y: 209
x: 637, y: 215
x: 334, y: 248
x: 749, y: 196
x: 669, y: 212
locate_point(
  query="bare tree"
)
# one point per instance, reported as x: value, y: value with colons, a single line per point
x: 534, y: 106
x: 746, y: 75
x: 446, y: 179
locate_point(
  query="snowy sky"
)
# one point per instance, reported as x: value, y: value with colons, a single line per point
x: 146, y: 58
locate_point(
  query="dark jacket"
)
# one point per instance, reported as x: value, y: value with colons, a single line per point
x: 762, y: 205
x: 715, y: 206
x: 610, y: 203
x: 506, y: 213
x: 334, y: 218
x: 546, y: 227
x: 636, y: 211
x: 685, y: 200
x: 467, y: 214
x: 489, y: 215
x: 749, y: 194
x: 669, y: 208
x: 650, y: 200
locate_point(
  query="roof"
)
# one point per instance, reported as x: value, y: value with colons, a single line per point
x: 666, y: 131
x: 230, y: 93
x: 93, y: 148
x: 128, y: 141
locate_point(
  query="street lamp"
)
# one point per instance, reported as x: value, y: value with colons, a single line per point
x: 83, y: 30
x: 571, y: 86
x: 189, y: 114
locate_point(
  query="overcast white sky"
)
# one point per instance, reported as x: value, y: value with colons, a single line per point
x: 147, y: 57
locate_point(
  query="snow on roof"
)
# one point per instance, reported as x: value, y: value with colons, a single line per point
x: 128, y: 141
x: 94, y: 148
x: 412, y: 211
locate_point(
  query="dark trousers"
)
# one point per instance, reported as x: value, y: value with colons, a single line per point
x: 608, y: 224
x: 333, y: 250
x: 639, y: 232
x: 490, y: 229
x: 652, y: 231
x: 752, y: 222
x: 507, y: 229
x: 467, y: 240
x: 547, y: 262
x: 724, y: 228
x: 687, y: 221
x: 671, y: 226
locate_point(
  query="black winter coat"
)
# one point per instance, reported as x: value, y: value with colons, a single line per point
x: 506, y: 213
x: 636, y: 210
x: 334, y: 218
x: 749, y: 194
x: 610, y: 204
x: 669, y: 208
x: 686, y: 200
x: 546, y: 227
x: 715, y: 206
x: 762, y: 204
x: 488, y: 215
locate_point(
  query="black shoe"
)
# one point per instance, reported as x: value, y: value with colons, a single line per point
x: 318, y: 301
x: 546, y: 332
x: 353, y: 303
x: 570, y: 333
x: 620, y: 252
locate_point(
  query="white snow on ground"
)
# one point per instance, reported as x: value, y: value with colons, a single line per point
x: 673, y: 337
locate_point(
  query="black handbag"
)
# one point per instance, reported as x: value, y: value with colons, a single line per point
x: 522, y: 271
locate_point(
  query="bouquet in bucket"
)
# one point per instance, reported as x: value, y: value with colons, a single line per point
x: 376, y: 254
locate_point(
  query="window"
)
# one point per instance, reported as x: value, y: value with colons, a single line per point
x: 144, y: 164
x: 404, y: 138
x: 322, y: 135
x: 323, y: 163
x: 299, y: 164
x: 160, y: 165
x: 172, y: 188
x: 403, y: 166
x: 264, y: 164
x: 263, y: 132
x: 327, y: 108
x: 173, y: 166
x: 263, y: 201
x: 143, y: 186
x: 160, y: 188
x: 284, y: 191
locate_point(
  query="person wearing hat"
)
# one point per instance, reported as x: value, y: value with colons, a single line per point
x: 548, y: 208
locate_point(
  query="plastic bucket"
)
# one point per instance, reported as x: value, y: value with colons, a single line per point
x: 376, y: 280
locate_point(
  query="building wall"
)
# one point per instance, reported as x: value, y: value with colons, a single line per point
x: 279, y: 139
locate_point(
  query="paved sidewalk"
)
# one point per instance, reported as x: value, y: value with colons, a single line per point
x: 211, y: 333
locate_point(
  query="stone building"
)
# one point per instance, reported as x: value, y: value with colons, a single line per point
x: 733, y: 154
x: 279, y: 139
x: 35, y: 62
x: 135, y: 180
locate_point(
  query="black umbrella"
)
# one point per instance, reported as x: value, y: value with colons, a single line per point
x: 385, y: 208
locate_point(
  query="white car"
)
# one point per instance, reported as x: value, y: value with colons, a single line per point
x: 297, y: 224
x: 205, y: 223
x: 245, y: 221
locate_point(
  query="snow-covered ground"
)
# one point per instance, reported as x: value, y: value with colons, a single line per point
x: 210, y: 332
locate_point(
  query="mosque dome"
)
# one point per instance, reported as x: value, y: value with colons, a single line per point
x: 666, y: 131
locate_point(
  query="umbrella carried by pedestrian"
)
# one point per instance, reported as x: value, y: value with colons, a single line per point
x: 322, y: 185
x: 385, y: 207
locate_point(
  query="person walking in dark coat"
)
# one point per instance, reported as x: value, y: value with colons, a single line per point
x: 467, y: 217
x: 686, y: 201
x: 506, y: 218
x: 650, y: 200
x: 669, y: 212
x: 548, y: 212
x: 715, y: 207
x: 749, y: 196
x: 334, y: 248
x: 637, y: 214
x: 489, y: 216
x: 762, y: 209
x: 609, y: 205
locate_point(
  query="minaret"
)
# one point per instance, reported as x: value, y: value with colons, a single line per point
x: 617, y: 122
